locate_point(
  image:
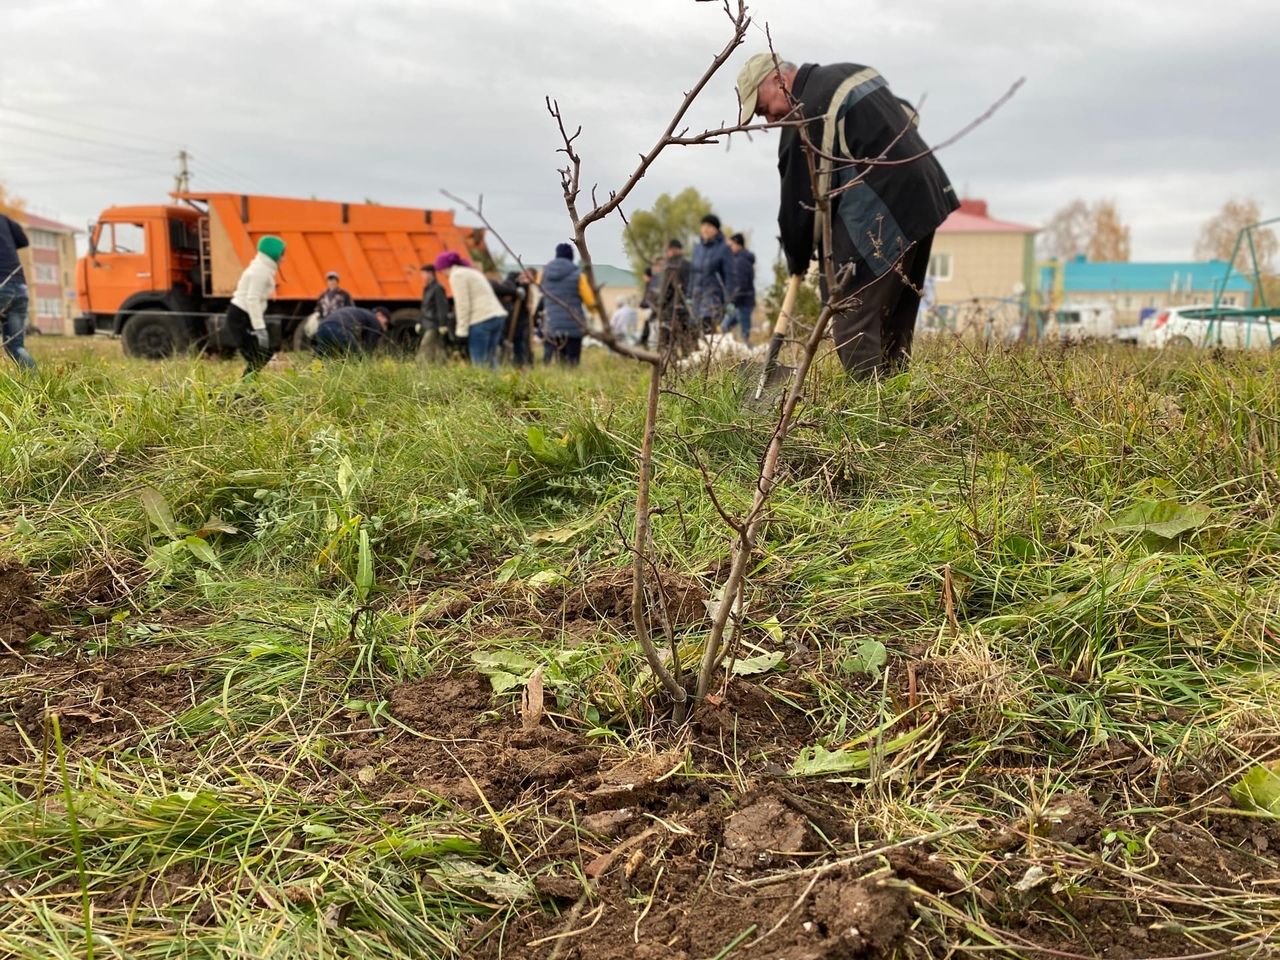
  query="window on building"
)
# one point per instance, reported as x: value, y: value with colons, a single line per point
x: 1230, y: 300
x: 122, y: 238
x: 44, y: 240
x: 940, y: 266
x: 49, y: 308
x: 46, y: 273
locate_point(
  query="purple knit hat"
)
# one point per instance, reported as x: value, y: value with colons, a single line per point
x: 450, y: 259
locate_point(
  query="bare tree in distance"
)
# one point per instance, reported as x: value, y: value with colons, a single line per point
x: 1095, y: 232
x: 1108, y: 234
x: 646, y: 584
x: 1066, y: 235
x: 1217, y: 240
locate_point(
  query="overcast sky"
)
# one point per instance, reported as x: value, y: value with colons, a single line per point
x: 1167, y: 107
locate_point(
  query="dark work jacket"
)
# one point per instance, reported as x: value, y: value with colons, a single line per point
x: 710, y: 276
x: 332, y: 300
x: 355, y: 327
x: 562, y: 299
x: 744, y: 278
x: 12, y: 239
x: 435, y: 308
x: 672, y: 304
x: 893, y: 206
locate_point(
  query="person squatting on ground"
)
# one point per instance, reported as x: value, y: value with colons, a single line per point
x: 882, y: 228
x: 479, y: 317
x: 13, y: 292
x: 709, y: 275
x: 742, y: 288
x: 350, y: 331
x: 247, y: 313
x: 566, y: 296
x: 334, y: 297
x: 671, y: 302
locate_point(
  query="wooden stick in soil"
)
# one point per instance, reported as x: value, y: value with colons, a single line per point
x: 641, y: 547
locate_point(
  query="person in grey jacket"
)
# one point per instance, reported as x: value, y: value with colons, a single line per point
x: 13, y: 292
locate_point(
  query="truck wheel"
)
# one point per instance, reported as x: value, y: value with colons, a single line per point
x: 402, y: 330
x: 1179, y: 343
x: 155, y: 335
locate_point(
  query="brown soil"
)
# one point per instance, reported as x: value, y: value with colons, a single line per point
x: 20, y: 612
x: 104, y: 586
x: 100, y: 702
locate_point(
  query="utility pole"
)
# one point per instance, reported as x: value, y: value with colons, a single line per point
x: 182, y: 179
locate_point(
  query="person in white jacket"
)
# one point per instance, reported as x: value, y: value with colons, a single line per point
x: 247, y: 313
x: 479, y: 316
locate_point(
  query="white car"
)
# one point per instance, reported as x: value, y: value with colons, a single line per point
x: 1181, y: 327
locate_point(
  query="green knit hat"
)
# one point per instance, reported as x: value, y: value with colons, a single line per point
x: 273, y: 247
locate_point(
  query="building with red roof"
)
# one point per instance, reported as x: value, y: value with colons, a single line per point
x: 976, y: 256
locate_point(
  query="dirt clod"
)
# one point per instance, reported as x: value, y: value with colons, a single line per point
x: 765, y: 834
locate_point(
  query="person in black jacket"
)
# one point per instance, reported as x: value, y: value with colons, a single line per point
x: 883, y: 215
x: 742, y: 290
x: 13, y: 292
x: 437, y: 319
x: 671, y: 303
x: 350, y: 331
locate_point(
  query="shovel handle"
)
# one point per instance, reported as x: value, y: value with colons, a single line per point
x: 779, y: 333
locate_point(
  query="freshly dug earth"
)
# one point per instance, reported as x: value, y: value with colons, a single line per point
x: 20, y: 613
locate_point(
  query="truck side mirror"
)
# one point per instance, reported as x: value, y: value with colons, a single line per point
x: 93, y: 241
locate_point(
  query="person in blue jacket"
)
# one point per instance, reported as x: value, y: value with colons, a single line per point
x: 709, y: 275
x: 350, y: 331
x: 742, y: 288
x: 13, y: 292
x: 566, y: 298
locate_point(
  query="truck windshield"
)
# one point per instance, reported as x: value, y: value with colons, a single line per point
x: 121, y: 237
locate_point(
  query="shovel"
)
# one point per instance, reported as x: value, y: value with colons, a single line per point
x: 771, y: 373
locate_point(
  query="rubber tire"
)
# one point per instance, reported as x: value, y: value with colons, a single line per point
x: 1179, y: 343
x: 402, y: 335
x: 154, y: 335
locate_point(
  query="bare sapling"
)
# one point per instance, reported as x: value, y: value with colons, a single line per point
x: 682, y: 688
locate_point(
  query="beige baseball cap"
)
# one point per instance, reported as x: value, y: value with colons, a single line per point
x: 749, y: 80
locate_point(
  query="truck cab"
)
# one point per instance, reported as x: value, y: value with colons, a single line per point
x: 141, y: 274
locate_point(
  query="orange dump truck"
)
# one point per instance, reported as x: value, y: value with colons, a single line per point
x: 160, y: 277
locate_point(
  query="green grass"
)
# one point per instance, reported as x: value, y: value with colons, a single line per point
x: 975, y: 515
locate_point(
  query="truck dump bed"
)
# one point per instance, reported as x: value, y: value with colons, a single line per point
x: 376, y: 250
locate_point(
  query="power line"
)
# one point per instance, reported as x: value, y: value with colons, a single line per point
x: 89, y: 140
x: 78, y: 124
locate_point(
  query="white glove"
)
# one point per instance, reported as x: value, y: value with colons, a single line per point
x: 263, y: 338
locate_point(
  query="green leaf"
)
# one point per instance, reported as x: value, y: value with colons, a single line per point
x: 202, y: 551
x: 546, y: 578
x: 505, y: 669
x: 157, y: 508
x: 1259, y: 789
x: 773, y: 628
x: 23, y: 525
x: 817, y: 760
x: 761, y: 664
x: 1166, y: 519
x: 319, y: 830
x: 871, y: 656
x: 364, y: 568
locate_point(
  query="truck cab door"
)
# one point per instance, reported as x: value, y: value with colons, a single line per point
x: 120, y: 265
